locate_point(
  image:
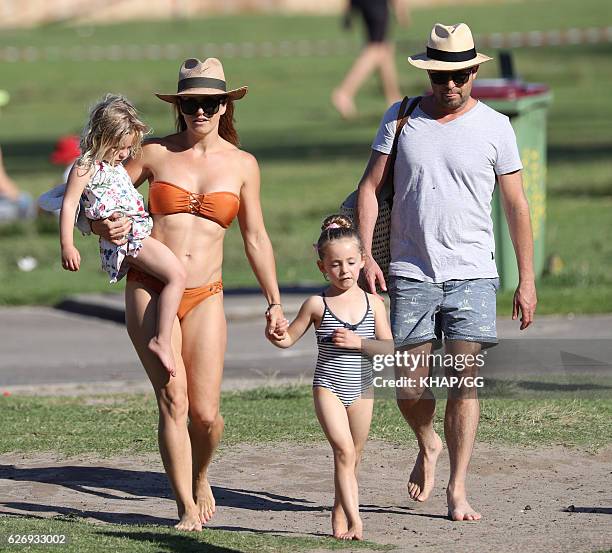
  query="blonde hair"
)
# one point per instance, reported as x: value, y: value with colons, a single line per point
x: 110, y: 121
x: 336, y: 227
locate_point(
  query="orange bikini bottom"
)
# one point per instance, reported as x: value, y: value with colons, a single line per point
x: 191, y: 296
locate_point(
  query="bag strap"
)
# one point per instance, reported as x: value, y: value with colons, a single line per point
x: 386, y: 191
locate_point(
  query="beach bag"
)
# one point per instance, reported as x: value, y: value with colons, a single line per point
x: 381, y: 251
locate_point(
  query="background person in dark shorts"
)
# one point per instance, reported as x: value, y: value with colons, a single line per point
x: 377, y: 54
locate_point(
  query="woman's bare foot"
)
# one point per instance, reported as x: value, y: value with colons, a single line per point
x: 422, y: 477
x: 339, y: 522
x: 459, y: 509
x: 344, y: 104
x: 190, y: 521
x: 164, y: 352
x: 205, y: 500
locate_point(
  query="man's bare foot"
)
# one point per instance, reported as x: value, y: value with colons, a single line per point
x: 205, y: 500
x: 354, y: 532
x: 422, y: 477
x: 190, y: 521
x: 459, y: 509
x: 344, y: 104
x: 164, y: 352
x: 339, y: 522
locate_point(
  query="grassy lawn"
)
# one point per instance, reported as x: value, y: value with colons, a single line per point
x: 113, y: 424
x: 309, y: 158
x: 82, y: 537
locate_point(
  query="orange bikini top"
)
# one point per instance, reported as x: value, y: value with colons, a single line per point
x: 166, y: 198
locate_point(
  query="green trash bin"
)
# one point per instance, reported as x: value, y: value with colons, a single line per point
x: 527, y: 106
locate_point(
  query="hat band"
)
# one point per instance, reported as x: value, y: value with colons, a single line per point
x: 201, y: 82
x: 441, y: 55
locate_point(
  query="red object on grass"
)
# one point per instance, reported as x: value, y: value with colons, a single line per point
x: 67, y: 149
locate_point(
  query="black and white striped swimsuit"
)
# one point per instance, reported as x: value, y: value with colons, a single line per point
x: 345, y: 372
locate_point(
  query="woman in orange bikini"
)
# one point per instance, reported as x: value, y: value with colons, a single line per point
x: 199, y: 182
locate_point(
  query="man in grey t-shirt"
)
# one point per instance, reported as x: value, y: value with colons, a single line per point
x: 442, y: 278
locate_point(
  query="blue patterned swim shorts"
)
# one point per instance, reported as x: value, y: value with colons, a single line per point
x: 455, y: 310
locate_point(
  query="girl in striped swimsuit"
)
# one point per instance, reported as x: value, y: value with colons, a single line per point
x: 347, y: 322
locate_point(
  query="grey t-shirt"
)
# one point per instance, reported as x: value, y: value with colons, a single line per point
x: 445, y: 174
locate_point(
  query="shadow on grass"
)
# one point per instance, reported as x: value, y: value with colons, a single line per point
x: 102, y: 516
x: 266, y: 501
x: 33, y: 156
x: 579, y: 152
x: 121, y: 489
x: 588, y: 510
x: 113, y: 484
x: 560, y: 387
x: 98, y: 481
x: 173, y: 542
x: 29, y: 157
x: 519, y: 389
x: 261, y: 500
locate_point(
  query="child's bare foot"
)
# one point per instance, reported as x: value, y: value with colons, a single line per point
x: 190, y: 521
x: 355, y: 532
x: 339, y: 522
x: 422, y: 476
x: 164, y: 352
x: 205, y: 500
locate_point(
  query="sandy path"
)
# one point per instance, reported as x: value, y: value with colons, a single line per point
x: 286, y: 488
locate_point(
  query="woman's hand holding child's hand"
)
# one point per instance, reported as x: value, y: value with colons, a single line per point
x: 345, y: 338
x: 71, y: 258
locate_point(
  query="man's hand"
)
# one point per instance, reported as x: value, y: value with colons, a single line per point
x: 373, y: 273
x: 345, y: 338
x: 525, y: 301
x: 115, y: 229
x: 71, y: 258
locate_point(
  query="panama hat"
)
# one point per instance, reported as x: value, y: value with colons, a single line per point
x: 449, y: 47
x: 202, y: 78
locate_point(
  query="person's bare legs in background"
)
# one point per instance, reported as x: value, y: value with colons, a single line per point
x: 378, y: 54
x: 374, y: 56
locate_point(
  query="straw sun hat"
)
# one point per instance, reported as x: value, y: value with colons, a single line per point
x: 450, y: 47
x: 202, y: 78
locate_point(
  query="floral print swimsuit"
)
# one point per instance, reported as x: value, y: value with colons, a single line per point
x: 110, y: 190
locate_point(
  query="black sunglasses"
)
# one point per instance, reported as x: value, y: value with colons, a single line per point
x: 458, y: 77
x: 210, y: 106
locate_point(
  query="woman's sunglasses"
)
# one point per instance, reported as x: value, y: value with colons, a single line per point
x: 210, y: 106
x: 458, y: 77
